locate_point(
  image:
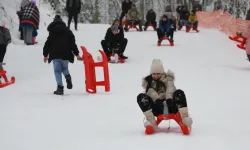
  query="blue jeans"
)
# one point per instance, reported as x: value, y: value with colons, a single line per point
x: 195, y: 24
x: 182, y: 22
x: 60, y: 66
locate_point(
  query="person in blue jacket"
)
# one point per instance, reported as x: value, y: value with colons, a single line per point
x: 166, y: 28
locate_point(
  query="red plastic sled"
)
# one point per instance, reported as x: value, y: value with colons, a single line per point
x: 90, y: 73
x: 124, y: 22
x: 150, y: 25
x: 240, y: 39
x: 120, y: 59
x: 177, y: 117
x: 7, y: 82
x: 191, y: 27
x: 241, y: 46
x: 165, y: 38
x: 132, y: 26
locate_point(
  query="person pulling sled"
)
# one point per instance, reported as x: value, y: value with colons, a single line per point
x: 60, y: 48
x: 160, y: 90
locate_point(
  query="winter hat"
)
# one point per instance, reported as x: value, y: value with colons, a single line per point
x: 114, y: 28
x: 165, y: 16
x: 156, y: 66
x: 33, y: 1
x: 57, y: 18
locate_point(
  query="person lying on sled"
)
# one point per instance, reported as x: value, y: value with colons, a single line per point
x: 150, y: 19
x: 192, y: 20
x: 166, y: 28
x: 160, y: 88
x: 114, y: 43
x: 133, y: 18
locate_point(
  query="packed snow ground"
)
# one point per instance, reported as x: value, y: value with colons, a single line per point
x: 210, y: 69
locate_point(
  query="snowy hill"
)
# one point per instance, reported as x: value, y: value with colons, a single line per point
x: 214, y: 76
x: 208, y: 67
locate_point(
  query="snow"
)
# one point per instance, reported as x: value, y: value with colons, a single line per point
x: 209, y: 67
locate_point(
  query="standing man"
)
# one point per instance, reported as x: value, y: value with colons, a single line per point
x: 73, y: 7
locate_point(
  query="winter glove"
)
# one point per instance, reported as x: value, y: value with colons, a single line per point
x: 159, y: 106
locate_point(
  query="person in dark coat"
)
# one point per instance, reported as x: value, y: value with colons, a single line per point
x: 126, y: 6
x: 184, y: 15
x: 30, y: 19
x: 59, y: 48
x: 150, y: 19
x: 121, y: 32
x: 166, y: 28
x: 5, y: 39
x: 114, y: 42
x: 73, y: 7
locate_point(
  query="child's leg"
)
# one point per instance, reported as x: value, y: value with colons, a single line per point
x: 58, y: 71
x: 2, y: 54
x: 179, y: 99
x: 146, y: 25
x: 65, y: 69
x: 159, y: 34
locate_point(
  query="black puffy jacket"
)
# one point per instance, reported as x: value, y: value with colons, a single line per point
x: 60, y: 43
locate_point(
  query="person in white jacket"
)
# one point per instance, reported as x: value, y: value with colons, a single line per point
x: 160, y: 88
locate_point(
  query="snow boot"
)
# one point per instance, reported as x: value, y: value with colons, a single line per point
x: 69, y: 82
x: 188, y: 121
x: 59, y: 90
x: 150, y: 123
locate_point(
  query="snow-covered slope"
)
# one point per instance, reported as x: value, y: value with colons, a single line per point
x: 208, y: 67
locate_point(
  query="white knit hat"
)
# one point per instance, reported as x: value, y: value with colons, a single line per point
x: 156, y: 66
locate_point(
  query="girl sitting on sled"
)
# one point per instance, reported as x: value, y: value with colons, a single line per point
x: 159, y: 88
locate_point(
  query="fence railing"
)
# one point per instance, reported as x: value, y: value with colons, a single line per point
x: 223, y: 21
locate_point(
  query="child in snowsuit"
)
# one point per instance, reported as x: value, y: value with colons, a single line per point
x: 150, y: 19
x: 114, y: 42
x: 133, y: 18
x: 159, y: 89
x: 59, y: 48
x: 166, y: 28
x: 5, y: 39
x: 192, y: 20
x: 247, y: 35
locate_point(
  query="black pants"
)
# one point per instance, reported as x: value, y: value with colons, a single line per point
x: 248, y: 56
x: 146, y: 103
x: 130, y: 22
x: 154, y: 23
x: 108, y: 49
x: 71, y: 16
x: 161, y: 34
x: 121, y: 17
x: 2, y: 52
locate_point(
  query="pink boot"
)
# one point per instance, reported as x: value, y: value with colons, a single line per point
x: 34, y: 40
